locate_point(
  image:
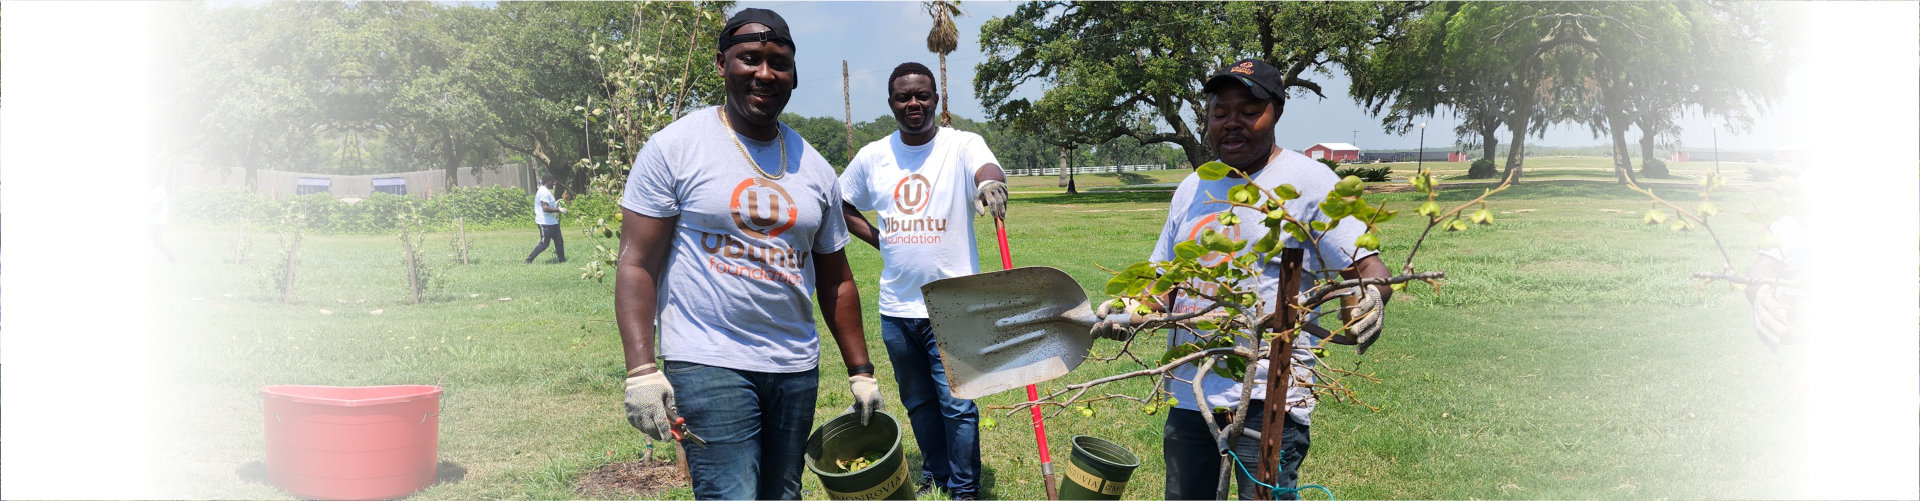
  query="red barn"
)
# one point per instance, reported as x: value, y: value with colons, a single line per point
x: 1338, y: 152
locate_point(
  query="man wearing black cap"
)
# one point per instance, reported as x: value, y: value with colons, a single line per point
x: 1243, y: 103
x: 730, y: 221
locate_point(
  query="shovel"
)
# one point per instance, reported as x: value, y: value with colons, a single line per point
x: 1007, y: 329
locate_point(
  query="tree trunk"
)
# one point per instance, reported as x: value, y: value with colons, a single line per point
x: 1517, y: 146
x: 463, y: 240
x: 1650, y: 167
x: 1622, y: 160
x: 946, y: 120
x: 1066, y: 172
x: 1489, y: 142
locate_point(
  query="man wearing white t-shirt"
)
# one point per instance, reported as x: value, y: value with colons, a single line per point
x: 924, y: 182
x: 546, y: 215
x: 1244, y: 102
x: 728, y: 218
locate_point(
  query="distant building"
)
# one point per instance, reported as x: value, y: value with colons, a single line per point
x: 1338, y: 152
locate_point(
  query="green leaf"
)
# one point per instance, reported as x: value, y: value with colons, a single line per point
x: 1482, y: 216
x: 1242, y: 194
x: 1188, y: 250
x: 1286, y: 192
x: 1267, y: 243
x: 1228, y: 218
x: 1367, y: 241
x: 1161, y: 285
x: 1118, y: 284
x: 1456, y: 225
x: 1383, y: 216
x: 1708, y: 209
x: 1294, y: 230
x: 1213, y: 171
x: 1653, y: 216
x: 1335, y: 208
x: 1219, y: 242
x: 1429, y: 209
x: 1349, y: 186
x: 1318, y: 225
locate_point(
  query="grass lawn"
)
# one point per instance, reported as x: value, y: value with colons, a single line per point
x: 1567, y: 356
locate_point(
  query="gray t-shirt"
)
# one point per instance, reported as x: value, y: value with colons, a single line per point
x: 735, y: 290
x: 1191, y: 213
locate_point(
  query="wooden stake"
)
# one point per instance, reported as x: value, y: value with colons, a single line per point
x: 1273, y: 425
x: 463, y: 240
x: 413, y: 267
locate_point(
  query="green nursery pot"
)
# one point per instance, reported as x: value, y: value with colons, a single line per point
x: 844, y: 438
x: 1097, y: 469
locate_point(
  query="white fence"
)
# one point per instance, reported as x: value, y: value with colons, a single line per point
x: 1089, y: 169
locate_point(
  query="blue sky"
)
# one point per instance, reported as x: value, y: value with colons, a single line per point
x: 873, y: 37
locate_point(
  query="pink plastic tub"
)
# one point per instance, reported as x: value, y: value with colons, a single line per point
x: 340, y: 442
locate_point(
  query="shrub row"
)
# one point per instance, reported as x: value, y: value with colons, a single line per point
x: 1368, y: 174
x: 379, y: 213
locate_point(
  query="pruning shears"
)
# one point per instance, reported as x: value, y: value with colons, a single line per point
x: 678, y: 427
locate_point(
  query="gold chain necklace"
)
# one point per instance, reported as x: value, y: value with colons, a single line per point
x: 779, y: 135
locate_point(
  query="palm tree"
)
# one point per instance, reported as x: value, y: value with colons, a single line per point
x: 942, y: 40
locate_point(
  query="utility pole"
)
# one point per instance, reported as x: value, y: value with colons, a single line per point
x: 846, y: 93
x: 1419, y: 161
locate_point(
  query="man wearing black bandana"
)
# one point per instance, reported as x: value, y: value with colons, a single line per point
x: 730, y: 222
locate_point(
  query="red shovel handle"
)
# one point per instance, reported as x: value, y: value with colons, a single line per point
x: 1033, y: 392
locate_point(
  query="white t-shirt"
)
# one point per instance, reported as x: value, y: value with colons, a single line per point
x: 1191, y: 213
x: 735, y: 291
x: 923, y: 197
x: 541, y: 216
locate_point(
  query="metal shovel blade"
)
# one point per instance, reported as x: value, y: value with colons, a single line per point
x: 1007, y: 329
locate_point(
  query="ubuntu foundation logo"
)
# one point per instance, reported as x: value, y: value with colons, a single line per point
x: 912, y: 194
x: 763, y: 209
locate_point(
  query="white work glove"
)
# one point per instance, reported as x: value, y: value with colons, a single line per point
x: 648, y: 398
x: 563, y: 210
x: 1369, y: 315
x: 1772, y: 317
x: 1114, y: 324
x: 991, y: 198
x: 866, y: 396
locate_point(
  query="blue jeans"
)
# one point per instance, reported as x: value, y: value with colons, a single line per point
x: 1193, y: 462
x: 755, y: 425
x: 947, y: 428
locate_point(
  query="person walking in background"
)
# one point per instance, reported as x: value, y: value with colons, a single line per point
x: 921, y: 181
x: 546, y: 214
x: 730, y: 222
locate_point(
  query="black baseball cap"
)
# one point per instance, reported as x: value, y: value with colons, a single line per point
x: 1259, y: 77
x: 776, y: 29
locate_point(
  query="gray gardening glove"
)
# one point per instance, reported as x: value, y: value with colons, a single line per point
x: 1772, y: 317
x: 866, y: 396
x: 991, y: 199
x: 648, y: 398
x: 1369, y: 316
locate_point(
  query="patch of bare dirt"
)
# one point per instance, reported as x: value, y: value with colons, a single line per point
x: 630, y: 480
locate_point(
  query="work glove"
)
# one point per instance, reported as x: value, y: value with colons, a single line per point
x: 866, y: 396
x: 648, y: 398
x: 1114, y: 324
x: 991, y: 199
x: 1772, y: 315
x: 1368, y: 314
